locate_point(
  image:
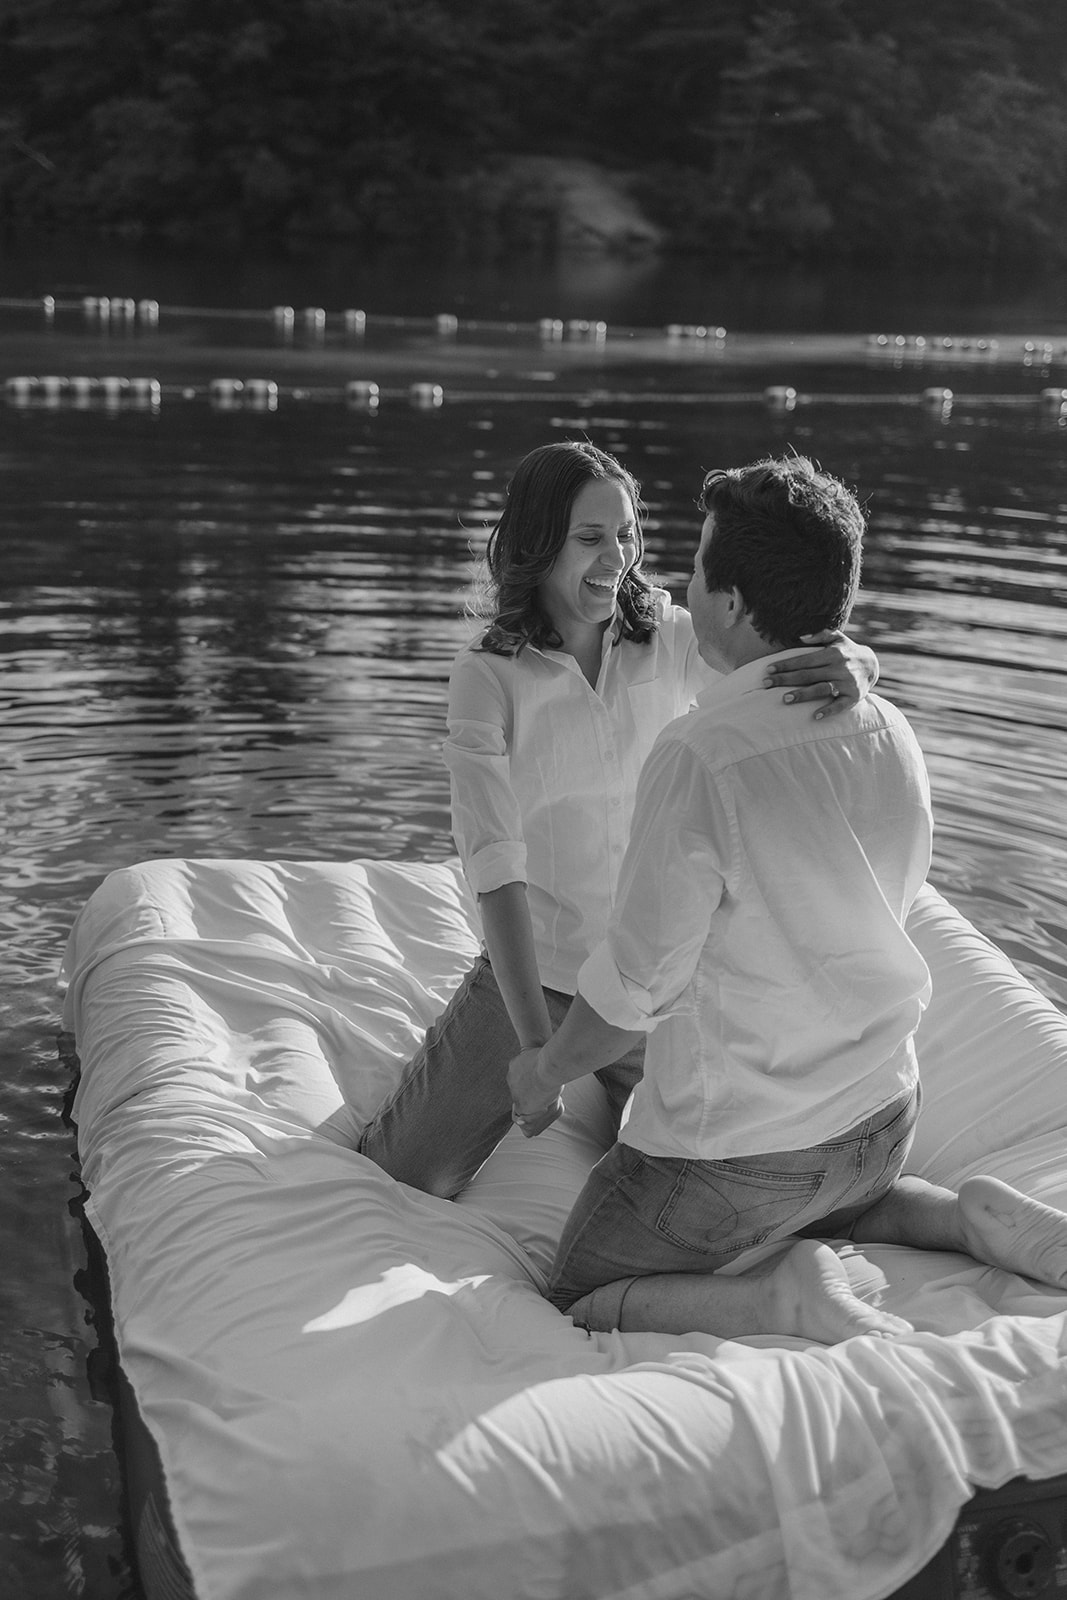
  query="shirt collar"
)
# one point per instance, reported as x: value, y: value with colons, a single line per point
x: 612, y: 635
x: 746, y: 679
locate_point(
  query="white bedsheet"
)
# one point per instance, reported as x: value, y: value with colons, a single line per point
x: 358, y: 1392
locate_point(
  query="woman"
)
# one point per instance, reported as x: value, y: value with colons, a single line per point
x: 552, y: 712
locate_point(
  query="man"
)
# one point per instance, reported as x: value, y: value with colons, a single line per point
x: 758, y: 940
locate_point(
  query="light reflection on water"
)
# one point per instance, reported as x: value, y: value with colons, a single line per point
x: 229, y: 635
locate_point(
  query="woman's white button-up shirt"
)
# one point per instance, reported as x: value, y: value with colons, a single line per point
x: 544, y: 771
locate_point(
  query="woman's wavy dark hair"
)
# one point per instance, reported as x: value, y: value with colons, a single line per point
x: 532, y: 530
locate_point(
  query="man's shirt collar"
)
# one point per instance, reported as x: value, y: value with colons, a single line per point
x: 743, y: 680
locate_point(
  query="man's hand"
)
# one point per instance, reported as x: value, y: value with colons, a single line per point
x: 533, y: 1107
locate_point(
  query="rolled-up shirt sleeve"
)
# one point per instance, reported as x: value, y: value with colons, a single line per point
x: 486, y: 818
x: 672, y: 879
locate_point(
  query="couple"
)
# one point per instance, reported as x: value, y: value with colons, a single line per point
x: 750, y: 932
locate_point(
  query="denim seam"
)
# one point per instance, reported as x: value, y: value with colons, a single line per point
x: 603, y: 1200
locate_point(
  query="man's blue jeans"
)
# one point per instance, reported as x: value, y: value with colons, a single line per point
x: 452, y: 1106
x: 641, y: 1214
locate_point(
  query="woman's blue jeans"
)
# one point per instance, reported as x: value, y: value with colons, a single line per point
x: 452, y: 1106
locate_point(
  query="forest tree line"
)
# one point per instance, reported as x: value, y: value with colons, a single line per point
x: 859, y: 128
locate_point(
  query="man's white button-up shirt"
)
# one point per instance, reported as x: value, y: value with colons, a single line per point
x: 758, y: 932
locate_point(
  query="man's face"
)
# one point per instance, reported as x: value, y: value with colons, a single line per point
x: 707, y: 610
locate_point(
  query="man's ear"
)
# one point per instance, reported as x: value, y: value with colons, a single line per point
x: 736, y: 610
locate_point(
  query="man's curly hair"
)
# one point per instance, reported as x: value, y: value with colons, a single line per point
x: 789, y: 537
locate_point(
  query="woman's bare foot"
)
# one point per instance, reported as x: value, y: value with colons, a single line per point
x: 807, y: 1294
x: 1005, y: 1228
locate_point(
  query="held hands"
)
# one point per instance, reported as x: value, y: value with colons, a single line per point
x: 840, y: 673
x: 530, y: 1109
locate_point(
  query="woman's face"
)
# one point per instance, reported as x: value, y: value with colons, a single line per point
x: 582, y: 587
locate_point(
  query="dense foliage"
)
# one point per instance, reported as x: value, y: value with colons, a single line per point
x: 831, y: 126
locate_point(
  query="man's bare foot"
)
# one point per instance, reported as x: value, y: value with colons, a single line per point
x: 806, y: 1294
x: 802, y: 1291
x: 1005, y: 1228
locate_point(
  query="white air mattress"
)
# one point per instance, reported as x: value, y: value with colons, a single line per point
x: 358, y: 1392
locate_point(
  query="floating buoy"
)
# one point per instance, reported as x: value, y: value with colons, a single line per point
x: 355, y: 322
x: 286, y: 315
x: 1054, y: 399
x: 148, y: 310
x: 361, y: 392
x: 82, y: 390
x: 114, y: 389
x: 447, y: 323
x: 146, y: 391
x: 426, y: 395
x: 700, y: 330
x: 582, y: 328
x: 315, y: 317
x: 48, y: 305
x: 938, y: 400
x: 20, y: 390
x: 53, y: 388
x: 781, y: 397
x: 108, y: 306
x: 225, y: 391
x: 550, y: 328
x: 262, y: 393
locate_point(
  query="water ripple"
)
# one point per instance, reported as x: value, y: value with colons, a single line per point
x: 230, y: 636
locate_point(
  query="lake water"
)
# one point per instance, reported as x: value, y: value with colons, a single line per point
x: 227, y: 629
